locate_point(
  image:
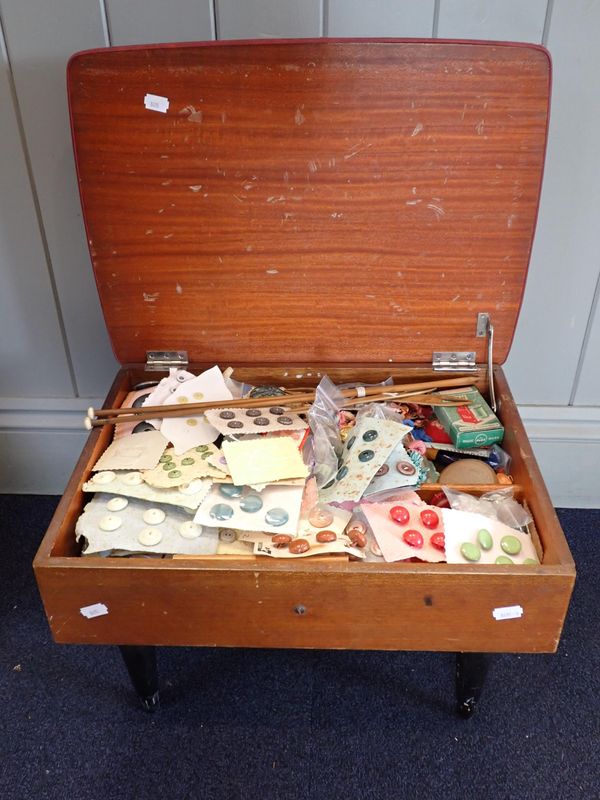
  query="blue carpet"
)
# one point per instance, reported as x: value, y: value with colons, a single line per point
x: 295, y: 725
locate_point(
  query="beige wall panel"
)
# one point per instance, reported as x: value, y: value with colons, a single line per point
x: 40, y: 36
x: 505, y: 20
x: 146, y: 21
x: 260, y: 19
x: 33, y: 361
x: 380, y: 18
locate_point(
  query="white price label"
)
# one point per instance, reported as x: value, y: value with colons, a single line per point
x: 95, y: 610
x: 154, y: 102
x: 507, y: 612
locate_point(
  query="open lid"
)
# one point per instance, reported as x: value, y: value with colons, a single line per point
x: 310, y: 201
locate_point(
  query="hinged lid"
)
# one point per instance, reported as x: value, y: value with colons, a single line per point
x: 310, y: 201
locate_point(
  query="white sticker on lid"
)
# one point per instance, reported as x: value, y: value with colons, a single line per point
x: 95, y: 610
x: 154, y: 102
x: 507, y: 612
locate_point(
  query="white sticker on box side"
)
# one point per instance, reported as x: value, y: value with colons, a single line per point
x: 95, y: 610
x: 507, y: 612
x: 154, y: 102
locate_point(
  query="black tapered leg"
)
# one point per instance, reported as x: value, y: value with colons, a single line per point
x: 471, y: 669
x: 140, y: 661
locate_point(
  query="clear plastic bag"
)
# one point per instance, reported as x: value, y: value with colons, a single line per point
x: 499, y: 505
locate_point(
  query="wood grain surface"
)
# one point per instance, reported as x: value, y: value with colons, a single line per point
x: 310, y: 201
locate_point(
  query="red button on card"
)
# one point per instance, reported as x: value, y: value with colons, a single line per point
x: 400, y: 514
x: 413, y: 538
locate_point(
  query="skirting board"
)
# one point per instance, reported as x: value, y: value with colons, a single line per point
x: 40, y: 441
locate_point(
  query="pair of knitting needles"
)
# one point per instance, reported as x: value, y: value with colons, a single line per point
x: 417, y: 392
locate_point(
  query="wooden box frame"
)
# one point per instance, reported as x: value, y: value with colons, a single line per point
x: 257, y: 603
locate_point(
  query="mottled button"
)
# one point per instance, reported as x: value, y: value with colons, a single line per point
x: 357, y: 537
x: 383, y: 470
x: 356, y: 525
x: 154, y: 516
x: 221, y: 512
x: 253, y: 412
x: 399, y: 514
x: 117, y: 504
x: 202, y: 448
x: 142, y: 427
x: 530, y: 561
x: 191, y: 422
x: 165, y: 458
x: 320, y: 517
x: 227, y: 414
x: 182, y: 399
x: 187, y: 462
x: 504, y: 560
x: 284, y: 420
x: 413, y: 538
x: 470, y: 551
x: 324, y: 537
x: 193, y: 487
x: 175, y: 473
x: 366, y: 455
x: 133, y: 479
x: 235, y: 424
x: 406, y: 468
x: 227, y: 535
x: 251, y: 503
x: 438, y: 540
x: 276, y: 410
x: 110, y: 523
x: 298, y: 546
x: 276, y: 517
x: 229, y: 490
x: 429, y: 518
x: 168, y: 465
x: 261, y: 421
x: 484, y: 539
x: 281, y: 539
x: 370, y: 436
x: 139, y: 401
x: 104, y: 477
x: 341, y: 473
x: 198, y: 396
x: 149, y: 537
x: 511, y: 545
x: 190, y: 530
x: 350, y: 442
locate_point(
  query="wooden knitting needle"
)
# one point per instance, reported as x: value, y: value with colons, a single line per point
x: 112, y: 416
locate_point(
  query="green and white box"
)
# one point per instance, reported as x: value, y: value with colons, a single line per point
x: 471, y: 425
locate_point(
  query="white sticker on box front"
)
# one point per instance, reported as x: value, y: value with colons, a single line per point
x: 507, y: 612
x: 154, y: 102
x: 95, y: 610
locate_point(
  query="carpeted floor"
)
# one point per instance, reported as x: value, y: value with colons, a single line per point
x: 290, y: 724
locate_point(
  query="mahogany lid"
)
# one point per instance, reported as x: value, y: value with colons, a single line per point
x: 310, y: 201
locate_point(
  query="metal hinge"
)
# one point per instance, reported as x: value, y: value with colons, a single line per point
x: 465, y: 361
x: 163, y: 359
x: 454, y: 362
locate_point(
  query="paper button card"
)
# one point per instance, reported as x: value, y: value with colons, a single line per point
x: 138, y: 451
x: 187, y: 432
x: 264, y: 460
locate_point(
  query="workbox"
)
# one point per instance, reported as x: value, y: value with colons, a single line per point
x: 361, y: 209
